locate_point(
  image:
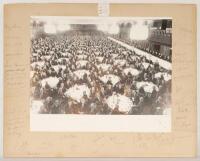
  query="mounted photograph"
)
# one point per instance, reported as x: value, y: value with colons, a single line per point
x: 100, y: 66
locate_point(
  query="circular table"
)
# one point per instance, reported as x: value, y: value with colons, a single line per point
x: 146, y: 65
x: 39, y: 63
x: 81, y: 73
x: 38, y: 51
x: 35, y: 54
x: 57, y: 67
x: 148, y: 86
x: 51, y: 52
x: 134, y: 57
x: 77, y: 91
x: 52, y: 81
x: 114, y: 79
x: 167, y: 111
x: 36, y: 106
x: 32, y: 73
x: 66, y: 54
x: 47, y: 57
x: 104, y: 66
x: 66, y: 50
x: 82, y: 63
x: 114, y: 55
x: 97, y: 53
x: 120, y: 62
x: 81, y: 57
x: 62, y: 59
x: 166, y: 76
x: 124, y: 103
x: 79, y: 51
x: 133, y: 71
x: 99, y: 58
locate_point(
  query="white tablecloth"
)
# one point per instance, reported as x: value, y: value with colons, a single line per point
x: 146, y: 65
x: 32, y: 73
x: 66, y: 54
x: 76, y: 92
x: 120, y: 62
x: 36, y: 106
x: 80, y: 51
x: 100, y: 58
x: 97, y: 53
x: 52, y: 81
x: 122, y: 101
x: 165, y: 75
x: 167, y: 111
x: 82, y: 63
x: 134, y: 57
x: 39, y: 63
x: 35, y: 54
x: 61, y: 59
x: 81, y: 57
x: 47, y: 57
x: 105, y: 67
x: 80, y: 73
x: 114, y: 79
x: 133, y: 71
x: 38, y: 51
x: 148, y: 86
x: 114, y: 55
x: 57, y: 67
x: 51, y: 52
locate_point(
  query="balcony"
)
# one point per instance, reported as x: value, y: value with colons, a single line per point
x: 160, y: 36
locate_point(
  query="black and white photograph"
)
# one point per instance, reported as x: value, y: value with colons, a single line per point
x: 100, y: 66
x: 100, y: 79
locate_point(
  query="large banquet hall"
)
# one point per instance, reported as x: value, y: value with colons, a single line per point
x: 101, y: 66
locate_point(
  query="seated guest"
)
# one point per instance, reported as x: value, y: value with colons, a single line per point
x: 46, y: 108
x: 105, y: 108
x: 55, y: 108
x: 116, y: 111
x: 109, y: 82
x: 66, y: 50
x: 37, y: 91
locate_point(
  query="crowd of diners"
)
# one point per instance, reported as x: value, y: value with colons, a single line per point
x: 65, y: 50
x: 145, y: 45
